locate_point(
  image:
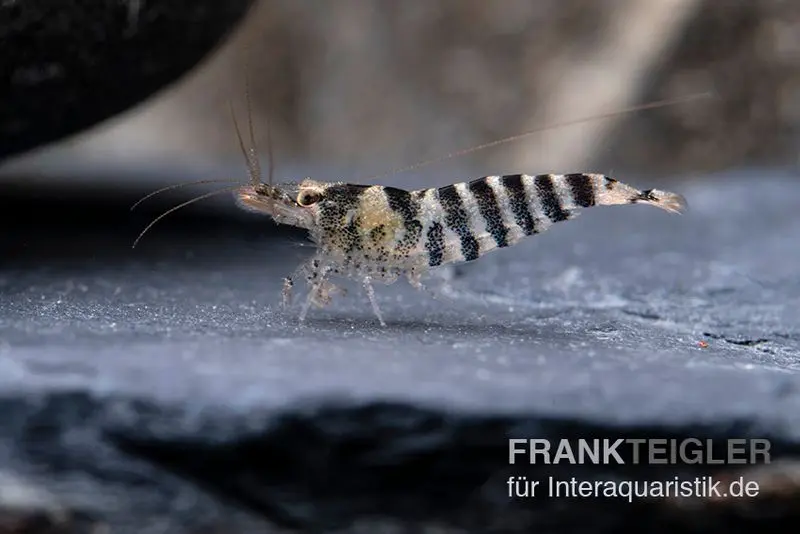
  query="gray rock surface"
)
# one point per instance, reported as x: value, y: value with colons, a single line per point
x: 163, y: 389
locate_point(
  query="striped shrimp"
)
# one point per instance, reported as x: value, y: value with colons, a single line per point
x: 376, y: 233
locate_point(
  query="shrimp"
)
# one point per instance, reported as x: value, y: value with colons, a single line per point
x: 378, y: 234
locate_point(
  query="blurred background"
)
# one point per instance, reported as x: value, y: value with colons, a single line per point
x: 360, y: 87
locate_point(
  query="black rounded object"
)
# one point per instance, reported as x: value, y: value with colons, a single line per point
x: 69, y: 64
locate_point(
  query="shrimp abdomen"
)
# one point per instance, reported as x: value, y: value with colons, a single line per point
x: 463, y: 221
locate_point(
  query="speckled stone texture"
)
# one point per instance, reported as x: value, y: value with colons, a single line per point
x: 162, y: 389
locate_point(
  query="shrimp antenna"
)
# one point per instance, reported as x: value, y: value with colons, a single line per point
x: 253, y: 164
x: 251, y: 153
x: 179, y: 206
x: 250, y: 170
x: 178, y: 186
x: 270, y: 156
x: 517, y: 137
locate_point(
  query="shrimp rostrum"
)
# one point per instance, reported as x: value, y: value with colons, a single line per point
x: 377, y: 234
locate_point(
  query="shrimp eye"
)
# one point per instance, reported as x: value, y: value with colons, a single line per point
x: 307, y: 198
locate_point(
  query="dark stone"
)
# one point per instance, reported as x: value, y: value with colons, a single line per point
x: 68, y: 65
x: 164, y: 386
